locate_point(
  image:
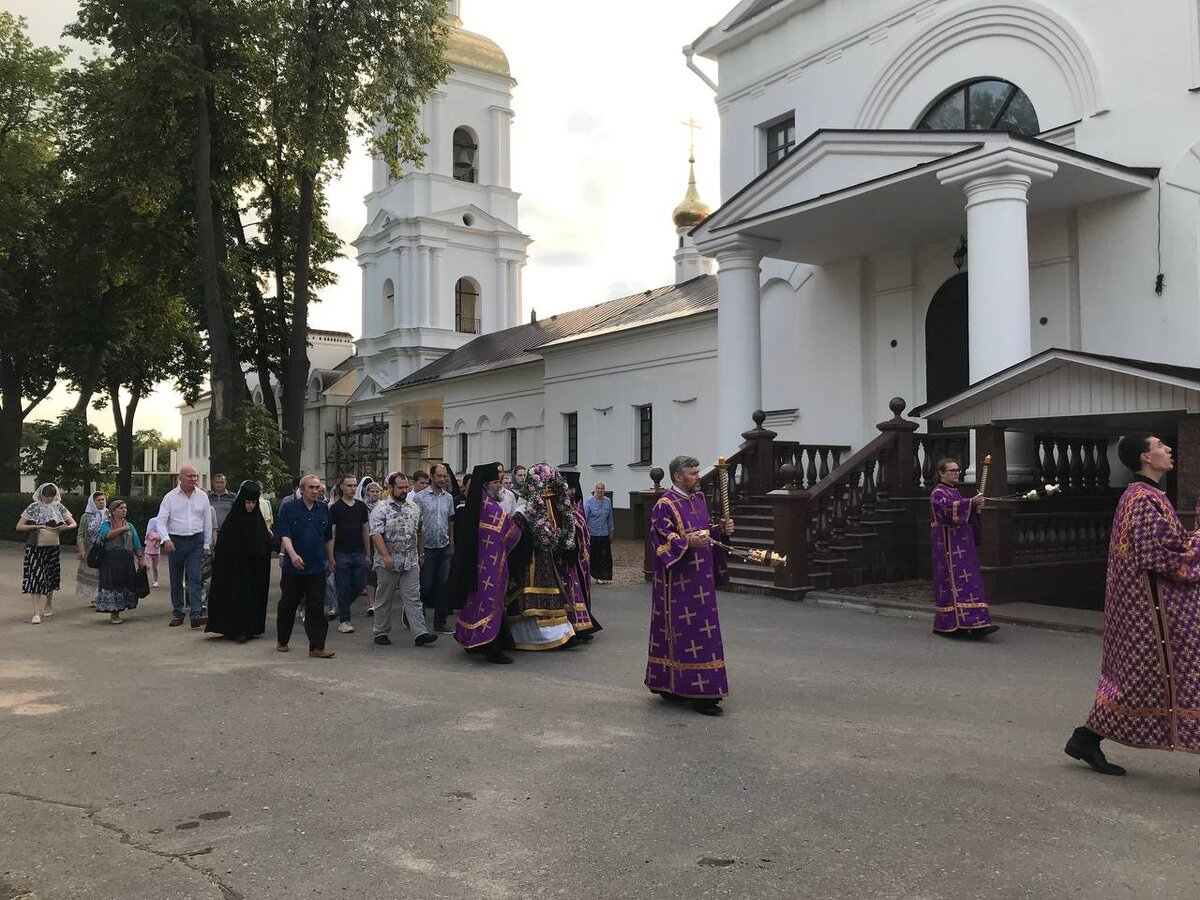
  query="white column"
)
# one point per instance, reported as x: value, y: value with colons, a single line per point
x: 370, y: 325
x: 495, y: 150
x: 435, y: 287
x: 499, y: 319
x: 402, y: 288
x: 421, y: 298
x: 514, y: 294
x: 997, y: 189
x: 739, y: 342
x: 440, y: 143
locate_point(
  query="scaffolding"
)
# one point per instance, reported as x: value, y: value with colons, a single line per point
x: 359, y: 449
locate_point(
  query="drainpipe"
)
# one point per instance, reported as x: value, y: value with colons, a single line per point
x: 690, y: 51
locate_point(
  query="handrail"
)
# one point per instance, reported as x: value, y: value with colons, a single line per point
x: 872, y: 452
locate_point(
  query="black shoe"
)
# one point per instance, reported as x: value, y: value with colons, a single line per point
x: 1085, y: 745
x: 707, y: 707
x: 499, y: 657
x: 383, y: 639
x: 426, y: 638
x: 669, y: 697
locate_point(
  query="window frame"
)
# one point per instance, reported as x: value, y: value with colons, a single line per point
x: 571, y: 439
x: 464, y: 287
x: 643, y: 418
x: 512, y: 449
x: 464, y: 452
x: 774, y: 155
x: 964, y: 89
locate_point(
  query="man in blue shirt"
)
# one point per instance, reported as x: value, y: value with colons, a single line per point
x: 306, y: 557
x: 599, y: 511
x: 437, y: 509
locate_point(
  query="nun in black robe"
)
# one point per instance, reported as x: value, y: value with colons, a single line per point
x: 237, y: 604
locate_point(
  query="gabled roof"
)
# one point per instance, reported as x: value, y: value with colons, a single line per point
x: 519, y: 345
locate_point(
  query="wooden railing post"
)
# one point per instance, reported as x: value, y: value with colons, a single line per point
x: 792, y: 515
x: 641, y: 503
x: 761, y: 443
x: 996, y: 519
x: 901, y: 481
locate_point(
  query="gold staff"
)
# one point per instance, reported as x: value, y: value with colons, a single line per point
x: 987, y: 465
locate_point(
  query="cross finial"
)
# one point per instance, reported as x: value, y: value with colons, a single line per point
x: 692, y: 126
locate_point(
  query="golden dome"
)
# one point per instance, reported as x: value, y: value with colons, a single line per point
x: 692, y: 211
x: 474, y: 51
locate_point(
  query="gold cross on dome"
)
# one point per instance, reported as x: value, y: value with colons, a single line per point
x: 692, y: 127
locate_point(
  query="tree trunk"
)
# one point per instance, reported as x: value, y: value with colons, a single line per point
x: 295, y: 388
x: 124, y: 433
x: 10, y: 444
x: 228, y: 384
x: 90, y: 378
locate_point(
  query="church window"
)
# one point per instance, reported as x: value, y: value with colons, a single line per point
x: 781, y: 138
x: 466, y: 156
x: 571, y: 423
x: 466, y: 306
x: 512, y: 449
x: 387, y: 318
x: 463, y: 452
x: 988, y: 104
x: 645, y: 434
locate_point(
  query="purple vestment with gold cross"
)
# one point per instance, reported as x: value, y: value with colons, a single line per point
x: 577, y: 578
x: 1149, y: 690
x: 480, y: 618
x: 686, y: 655
x: 959, y: 600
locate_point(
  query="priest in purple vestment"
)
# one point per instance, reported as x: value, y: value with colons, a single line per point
x: 960, y: 606
x: 686, y: 658
x: 1149, y: 690
x: 478, y: 578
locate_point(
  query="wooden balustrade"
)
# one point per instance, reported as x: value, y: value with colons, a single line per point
x: 812, y: 462
x: 1078, y: 464
x: 1045, y: 536
x: 928, y: 449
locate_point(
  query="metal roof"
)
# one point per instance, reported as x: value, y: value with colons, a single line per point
x: 519, y: 345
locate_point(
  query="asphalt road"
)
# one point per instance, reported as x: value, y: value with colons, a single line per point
x: 859, y: 757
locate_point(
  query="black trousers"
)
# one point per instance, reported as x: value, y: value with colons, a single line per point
x: 601, y: 550
x: 309, y: 590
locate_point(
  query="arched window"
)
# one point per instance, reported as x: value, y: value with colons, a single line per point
x: 466, y: 306
x: 466, y: 155
x: 988, y: 104
x: 387, y: 311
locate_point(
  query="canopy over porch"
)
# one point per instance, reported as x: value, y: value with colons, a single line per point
x: 849, y: 194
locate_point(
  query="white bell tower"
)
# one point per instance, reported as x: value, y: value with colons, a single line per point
x: 441, y: 255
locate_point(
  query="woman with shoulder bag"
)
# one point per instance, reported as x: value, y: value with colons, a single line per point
x: 121, y: 564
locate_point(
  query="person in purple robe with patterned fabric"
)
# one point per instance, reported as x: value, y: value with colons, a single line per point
x: 960, y: 605
x: 686, y: 660
x: 478, y: 580
x: 577, y: 571
x: 1149, y: 690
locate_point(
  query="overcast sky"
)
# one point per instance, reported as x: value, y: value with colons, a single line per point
x: 599, y: 151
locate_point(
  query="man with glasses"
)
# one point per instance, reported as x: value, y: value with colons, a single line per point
x: 185, y: 524
x: 960, y: 606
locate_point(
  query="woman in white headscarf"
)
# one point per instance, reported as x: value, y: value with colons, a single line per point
x: 369, y: 491
x: 87, y: 579
x: 43, y: 521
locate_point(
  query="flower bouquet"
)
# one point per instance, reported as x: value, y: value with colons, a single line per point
x: 548, y: 509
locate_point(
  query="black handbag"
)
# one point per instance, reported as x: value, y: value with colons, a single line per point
x: 95, y: 555
x: 141, y: 588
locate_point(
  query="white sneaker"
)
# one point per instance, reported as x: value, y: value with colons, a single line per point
x: 155, y: 584
x: 48, y: 612
x: 345, y: 628
x: 36, y: 620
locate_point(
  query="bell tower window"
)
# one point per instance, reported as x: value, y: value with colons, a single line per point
x: 387, y: 307
x: 466, y: 306
x: 466, y: 156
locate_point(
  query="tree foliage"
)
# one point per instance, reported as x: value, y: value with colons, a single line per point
x: 254, y: 435
x: 66, y: 458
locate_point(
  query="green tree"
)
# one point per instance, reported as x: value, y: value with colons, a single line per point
x: 66, y: 458
x: 29, y: 185
x: 254, y: 435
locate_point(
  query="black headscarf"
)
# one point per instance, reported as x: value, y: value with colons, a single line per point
x: 245, y: 533
x: 573, y: 484
x: 464, y: 576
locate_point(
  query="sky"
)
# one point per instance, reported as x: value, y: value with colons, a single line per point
x: 599, y: 153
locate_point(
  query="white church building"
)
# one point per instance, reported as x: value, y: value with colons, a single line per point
x: 916, y: 197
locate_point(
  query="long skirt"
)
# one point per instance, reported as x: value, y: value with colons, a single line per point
x: 601, y: 557
x: 42, y: 572
x: 87, y: 582
x: 118, y: 581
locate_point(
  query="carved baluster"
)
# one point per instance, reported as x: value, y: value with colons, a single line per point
x: 837, y: 456
x: 1039, y: 466
x: 929, y: 465
x: 854, y: 512
x: 1045, y: 449
x: 870, y: 490
x: 883, y: 488
x: 823, y: 472
x: 839, y: 510
x: 824, y: 525
x: 1103, y: 472
x: 1089, y: 465
x: 1063, y: 460
x: 810, y: 471
x: 918, y: 464
x: 1077, y: 466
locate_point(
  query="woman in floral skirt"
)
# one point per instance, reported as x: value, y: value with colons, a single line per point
x: 87, y: 579
x: 43, y: 521
x: 119, y: 567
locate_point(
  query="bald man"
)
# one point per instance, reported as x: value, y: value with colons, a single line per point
x: 185, y: 524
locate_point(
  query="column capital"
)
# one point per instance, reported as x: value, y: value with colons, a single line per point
x: 739, y: 251
x: 1010, y: 171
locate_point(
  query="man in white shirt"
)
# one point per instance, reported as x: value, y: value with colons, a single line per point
x: 185, y: 522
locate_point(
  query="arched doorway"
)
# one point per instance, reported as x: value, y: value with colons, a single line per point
x: 947, y: 350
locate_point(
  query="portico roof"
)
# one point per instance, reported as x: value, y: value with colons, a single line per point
x: 1074, y: 391
x: 846, y: 194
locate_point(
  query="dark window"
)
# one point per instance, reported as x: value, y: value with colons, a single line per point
x: 512, y: 449
x: 466, y: 306
x: 466, y: 156
x: 781, y: 138
x: 645, y: 423
x: 572, y: 424
x: 988, y: 104
x: 463, y: 452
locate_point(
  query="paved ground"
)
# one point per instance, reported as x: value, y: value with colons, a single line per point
x: 860, y: 757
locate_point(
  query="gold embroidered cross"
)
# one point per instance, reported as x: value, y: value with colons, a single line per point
x: 681, y: 583
x: 495, y: 559
x: 958, y: 553
x: 697, y: 563
x: 693, y: 649
x: 488, y: 584
x: 966, y: 575
x: 708, y: 628
x: 700, y: 682
x: 703, y: 595
x: 687, y: 615
x: 487, y: 540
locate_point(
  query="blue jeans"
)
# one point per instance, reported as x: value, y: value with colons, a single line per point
x: 350, y: 577
x: 187, y: 561
x: 434, y: 573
